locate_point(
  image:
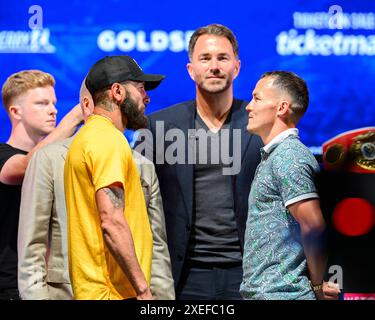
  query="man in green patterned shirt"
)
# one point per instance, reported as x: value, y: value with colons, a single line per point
x: 284, y: 256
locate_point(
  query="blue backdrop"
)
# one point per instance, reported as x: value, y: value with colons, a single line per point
x: 330, y: 44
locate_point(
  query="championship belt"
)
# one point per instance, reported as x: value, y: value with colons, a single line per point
x: 352, y: 151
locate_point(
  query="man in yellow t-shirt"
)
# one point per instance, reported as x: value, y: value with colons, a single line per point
x: 109, y: 235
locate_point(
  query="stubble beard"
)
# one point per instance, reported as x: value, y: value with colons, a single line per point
x: 215, y: 86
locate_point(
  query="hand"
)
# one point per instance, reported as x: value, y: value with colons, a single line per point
x: 76, y: 113
x: 146, y: 295
x: 70, y: 122
x: 331, y: 291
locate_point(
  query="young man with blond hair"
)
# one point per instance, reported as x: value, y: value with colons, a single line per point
x: 29, y: 99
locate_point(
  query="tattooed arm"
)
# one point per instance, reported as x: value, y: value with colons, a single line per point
x: 117, y: 235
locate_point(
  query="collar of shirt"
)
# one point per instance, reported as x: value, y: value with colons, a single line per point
x: 270, y: 146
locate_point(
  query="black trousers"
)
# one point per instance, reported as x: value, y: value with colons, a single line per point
x: 216, y: 282
x: 9, y: 294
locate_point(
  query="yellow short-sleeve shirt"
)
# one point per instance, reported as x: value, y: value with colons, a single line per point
x: 98, y: 157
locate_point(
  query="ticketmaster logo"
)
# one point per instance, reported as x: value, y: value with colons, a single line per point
x: 142, y: 41
x: 34, y: 41
x: 293, y: 42
x: 310, y: 43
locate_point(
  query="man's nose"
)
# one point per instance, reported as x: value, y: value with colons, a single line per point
x: 249, y: 106
x: 52, y: 109
x: 214, y: 66
x: 146, y: 99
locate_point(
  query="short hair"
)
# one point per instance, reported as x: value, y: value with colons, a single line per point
x: 83, y: 91
x: 101, y: 96
x: 295, y: 86
x: 19, y: 82
x: 216, y: 30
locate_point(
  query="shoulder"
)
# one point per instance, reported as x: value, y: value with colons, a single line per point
x: 145, y: 167
x: 298, y: 149
x: 4, y: 146
x: 56, y: 148
x: 97, y: 135
x: 293, y: 152
x: 239, y: 108
x: 172, y: 111
x: 291, y: 146
x: 101, y: 145
x: 7, y: 151
x: 141, y: 160
x: 240, y: 104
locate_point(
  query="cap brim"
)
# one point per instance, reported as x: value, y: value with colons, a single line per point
x: 151, y: 81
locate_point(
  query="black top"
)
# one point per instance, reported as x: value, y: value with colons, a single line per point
x: 10, y: 198
x: 214, y: 235
x: 177, y: 180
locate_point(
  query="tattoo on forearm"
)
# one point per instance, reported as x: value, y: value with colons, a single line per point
x: 116, y: 195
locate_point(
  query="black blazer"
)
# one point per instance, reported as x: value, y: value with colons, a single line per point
x: 176, y: 180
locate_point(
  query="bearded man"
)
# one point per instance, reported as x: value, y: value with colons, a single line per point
x: 109, y: 235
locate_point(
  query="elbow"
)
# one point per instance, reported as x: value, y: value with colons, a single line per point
x: 106, y: 223
x: 313, y: 228
x: 111, y: 223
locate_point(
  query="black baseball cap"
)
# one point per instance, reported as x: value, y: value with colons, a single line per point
x: 113, y: 69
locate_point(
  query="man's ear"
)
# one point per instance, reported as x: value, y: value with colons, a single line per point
x: 283, y: 108
x: 190, y: 71
x: 118, y: 92
x: 88, y: 106
x: 237, y: 69
x: 15, y: 112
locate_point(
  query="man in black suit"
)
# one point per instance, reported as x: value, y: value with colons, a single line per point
x: 205, y: 161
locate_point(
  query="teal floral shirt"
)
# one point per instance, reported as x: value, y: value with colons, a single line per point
x: 274, y: 263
